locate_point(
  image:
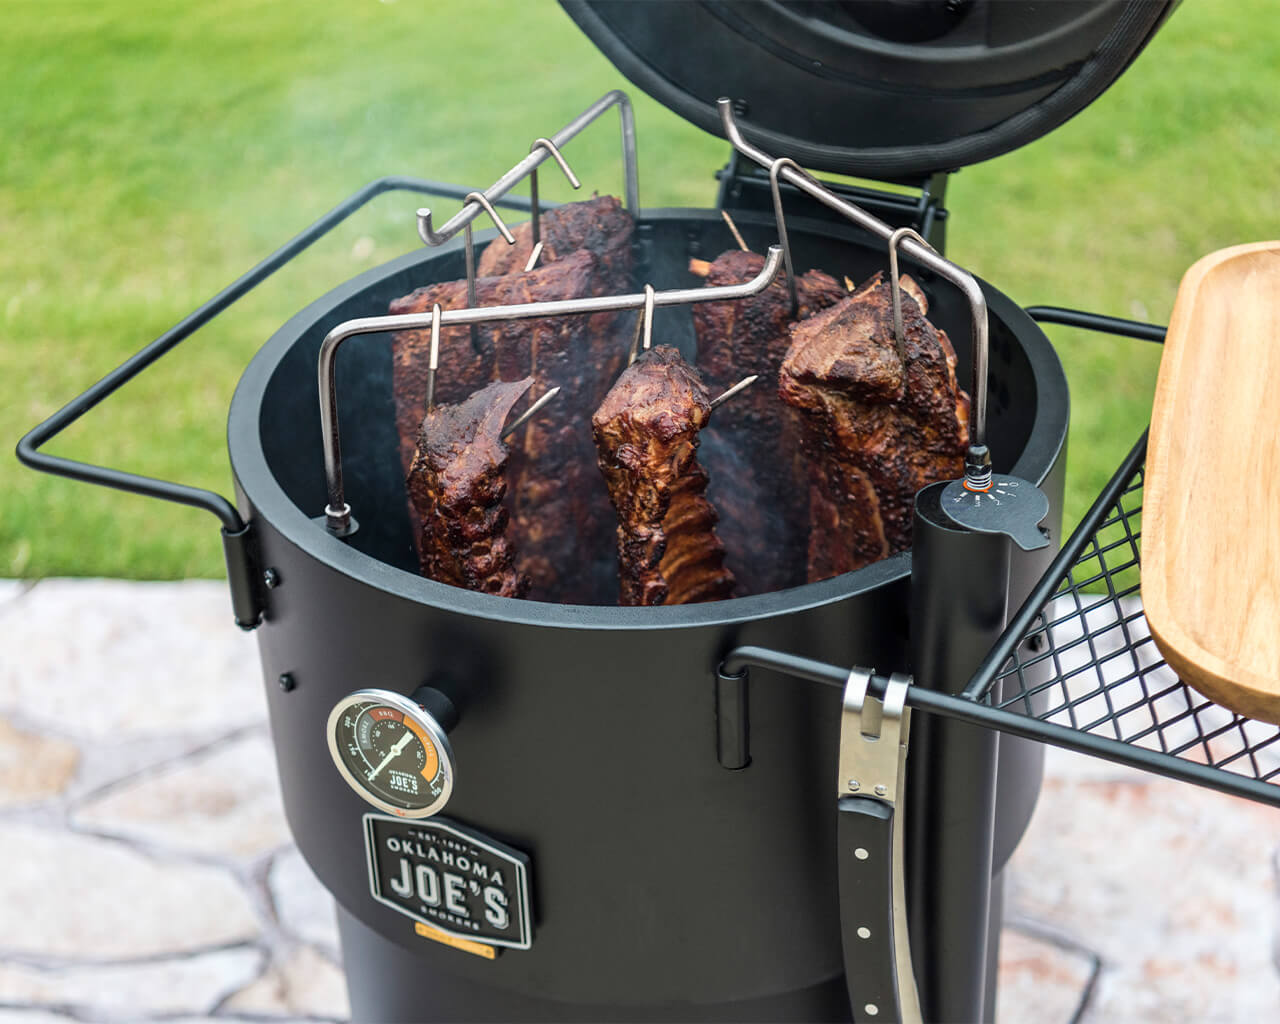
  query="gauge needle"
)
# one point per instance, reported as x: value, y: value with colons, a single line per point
x: 392, y: 754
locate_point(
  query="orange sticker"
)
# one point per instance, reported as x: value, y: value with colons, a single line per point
x: 466, y: 945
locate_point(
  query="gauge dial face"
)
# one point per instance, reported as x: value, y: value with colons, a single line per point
x: 1009, y: 506
x: 391, y: 752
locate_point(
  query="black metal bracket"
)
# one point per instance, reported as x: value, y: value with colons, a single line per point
x: 238, y: 548
x: 733, y: 721
x: 243, y: 577
x: 745, y: 186
x: 966, y: 709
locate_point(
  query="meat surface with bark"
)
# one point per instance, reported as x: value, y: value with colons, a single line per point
x: 586, y: 252
x: 600, y: 225
x: 502, y: 350
x: 457, y: 483
x: 755, y: 480
x: 551, y: 473
x: 646, y: 433
x: 899, y: 423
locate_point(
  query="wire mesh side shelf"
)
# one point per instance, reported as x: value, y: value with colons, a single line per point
x: 1078, y: 654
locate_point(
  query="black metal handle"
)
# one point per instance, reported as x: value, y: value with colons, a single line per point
x: 864, y: 864
x: 975, y: 711
x: 240, y: 570
x: 1097, y: 322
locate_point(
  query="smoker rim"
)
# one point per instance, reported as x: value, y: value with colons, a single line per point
x: 268, y: 500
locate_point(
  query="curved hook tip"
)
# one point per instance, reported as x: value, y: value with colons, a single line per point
x: 424, y: 225
x: 729, y: 122
x: 480, y: 199
x: 556, y: 155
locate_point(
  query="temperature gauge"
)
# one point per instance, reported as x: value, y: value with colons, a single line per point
x: 393, y: 750
x: 1007, y: 505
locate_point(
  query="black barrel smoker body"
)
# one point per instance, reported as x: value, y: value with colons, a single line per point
x: 664, y: 887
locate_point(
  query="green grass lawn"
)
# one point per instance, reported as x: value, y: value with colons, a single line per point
x: 155, y: 150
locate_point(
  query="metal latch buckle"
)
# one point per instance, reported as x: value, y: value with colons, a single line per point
x: 873, y: 738
x: 870, y: 865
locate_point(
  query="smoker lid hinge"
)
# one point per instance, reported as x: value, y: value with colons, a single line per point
x: 243, y: 576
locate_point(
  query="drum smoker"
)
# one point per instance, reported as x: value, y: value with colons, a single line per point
x: 653, y: 813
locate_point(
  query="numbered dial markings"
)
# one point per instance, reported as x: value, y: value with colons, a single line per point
x: 391, y: 752
x: 1010, y: 506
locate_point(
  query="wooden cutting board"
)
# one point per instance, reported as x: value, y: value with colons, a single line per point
x: 1211, y: 505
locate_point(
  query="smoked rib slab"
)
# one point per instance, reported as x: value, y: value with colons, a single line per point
x: 464, y: 369
x: 600, y: 225
x: 457, y: 483
x: 561, y: 519
x: 503, y: 350
x: 552, y: 479
x: 756, y: 483
x: 872, y: 418
x: 646, y: 432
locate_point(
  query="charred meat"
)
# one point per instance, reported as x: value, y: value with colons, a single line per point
x: 457, y: 483
x: 755, y: 482
x: 646, y: 433
x: 599, y: 225
x: 899, y: 423
x: 502, y: 350
x: 602, y: 227
x: 467, y: 369
x: 846, y: 531
x: 586, y: 252
x: 551, y: 475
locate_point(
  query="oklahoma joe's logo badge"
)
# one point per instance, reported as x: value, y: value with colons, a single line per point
x: 450, y: 878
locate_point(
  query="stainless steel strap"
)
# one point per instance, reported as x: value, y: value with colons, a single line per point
x: 870, y: 790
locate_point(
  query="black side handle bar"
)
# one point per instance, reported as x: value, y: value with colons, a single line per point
x: 240, y: 570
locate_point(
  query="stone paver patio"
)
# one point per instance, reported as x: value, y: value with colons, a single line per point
x: 146, y: 872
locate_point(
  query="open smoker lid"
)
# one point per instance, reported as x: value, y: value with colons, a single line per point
x: 876, y: 88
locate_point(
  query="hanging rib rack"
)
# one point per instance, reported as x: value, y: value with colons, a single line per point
x: 337, y: 513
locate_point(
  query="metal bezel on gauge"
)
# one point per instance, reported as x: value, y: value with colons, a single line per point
x: 422, y: 722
